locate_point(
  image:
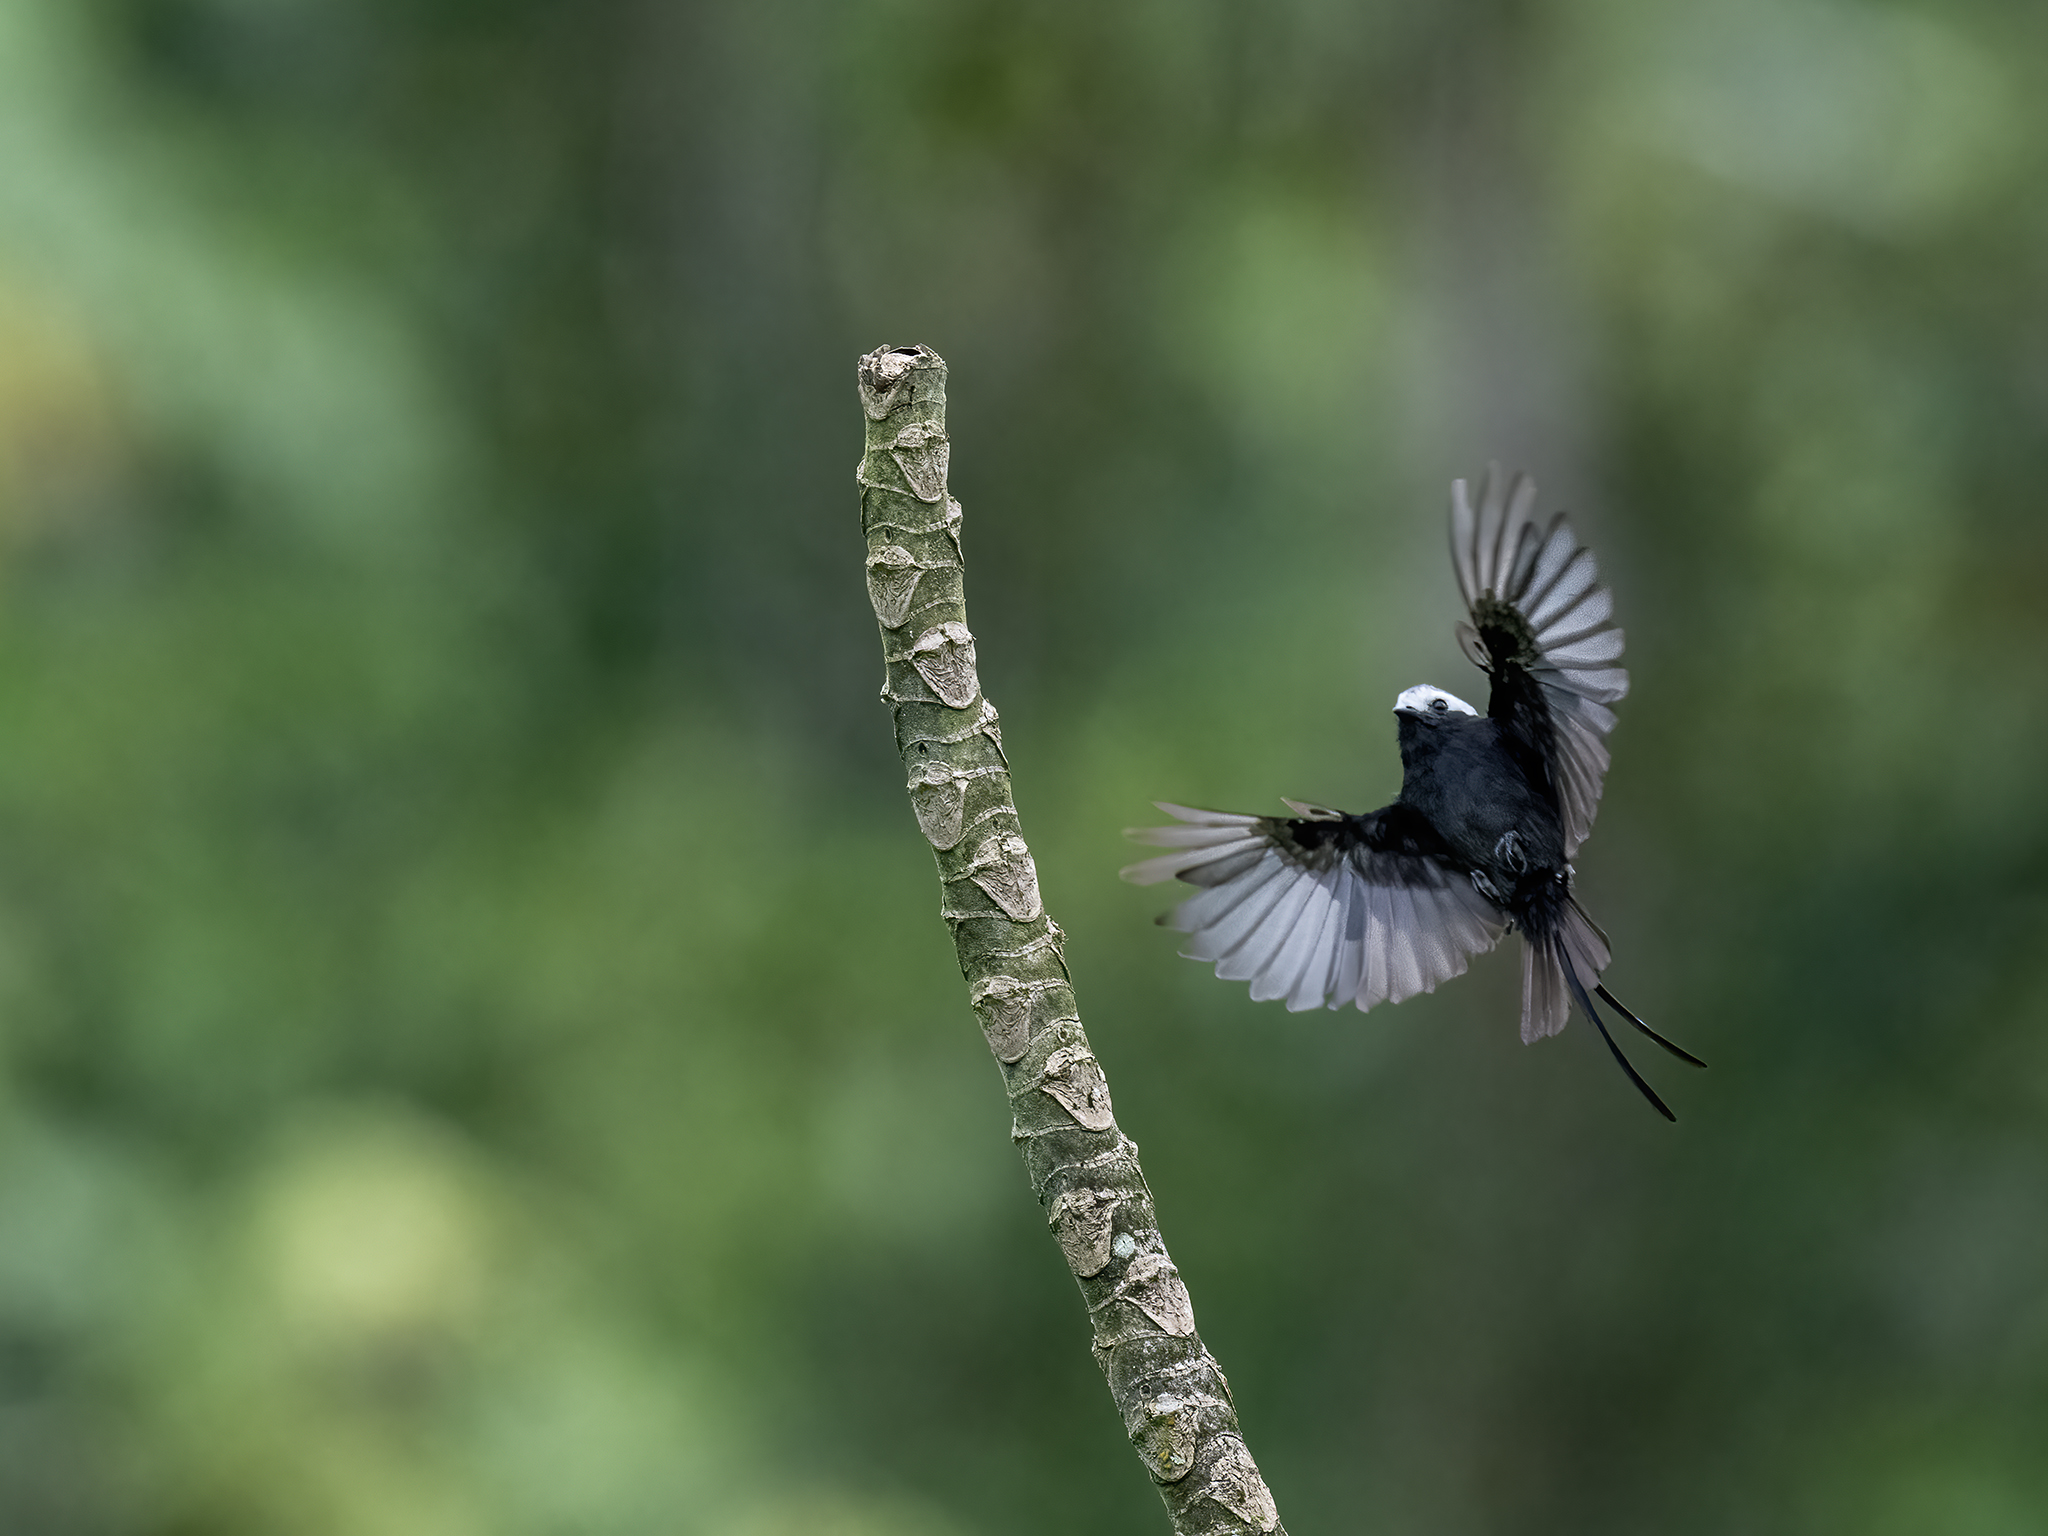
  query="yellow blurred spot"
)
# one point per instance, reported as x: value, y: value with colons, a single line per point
x: 372, y: 1230
x: 58, y: 422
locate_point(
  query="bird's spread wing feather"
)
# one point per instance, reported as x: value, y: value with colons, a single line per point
x: 1321, y: 908
x: 1539, y: 625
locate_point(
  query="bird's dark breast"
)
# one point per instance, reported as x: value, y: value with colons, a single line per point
x: 1474, y: 792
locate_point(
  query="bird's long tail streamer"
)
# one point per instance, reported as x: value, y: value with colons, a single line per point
x: 1571, y: 979
x: 1607, y: 997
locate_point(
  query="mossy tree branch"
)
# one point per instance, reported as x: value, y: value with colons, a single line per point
x: 1176, y: 1406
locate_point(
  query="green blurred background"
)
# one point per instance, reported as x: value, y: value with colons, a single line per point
x: 478, y: 1052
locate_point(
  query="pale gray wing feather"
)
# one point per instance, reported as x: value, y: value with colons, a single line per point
x: 1571, y: 651
x: 1264, y: 886
x: 1291, y: 956
x: 1262, y: 946
x: 1335, y: 926
x: 1319, y: 974
x: 1379, y: 922
x: 1404, y: 947
x: 1349, y: 977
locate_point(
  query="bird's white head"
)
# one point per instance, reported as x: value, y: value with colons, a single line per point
x: 1430, y: 703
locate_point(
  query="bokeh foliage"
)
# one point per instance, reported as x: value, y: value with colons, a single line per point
x: 479, y: 1051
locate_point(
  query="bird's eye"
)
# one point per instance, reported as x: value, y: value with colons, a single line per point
x: 1438, y: 705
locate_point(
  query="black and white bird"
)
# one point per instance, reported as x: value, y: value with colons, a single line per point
x: 1328, y: 908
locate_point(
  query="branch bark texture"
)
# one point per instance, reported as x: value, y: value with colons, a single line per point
x: 1175, y: 1403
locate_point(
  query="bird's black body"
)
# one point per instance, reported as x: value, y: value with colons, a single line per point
x: 1332, y: 907
x: 1463, y: 775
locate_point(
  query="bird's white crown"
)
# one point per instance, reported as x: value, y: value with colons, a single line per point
x: 1423, y: 699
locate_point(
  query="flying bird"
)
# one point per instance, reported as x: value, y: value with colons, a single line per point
x: 1326, y: 907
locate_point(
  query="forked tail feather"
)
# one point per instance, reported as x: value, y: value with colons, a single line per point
x: 1563, y: 954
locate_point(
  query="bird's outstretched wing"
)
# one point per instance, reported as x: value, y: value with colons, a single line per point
x: 1539, y: 626
x: 1322, y: 908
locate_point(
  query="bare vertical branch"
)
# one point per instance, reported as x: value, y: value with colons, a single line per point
x: 1175, y: 1403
